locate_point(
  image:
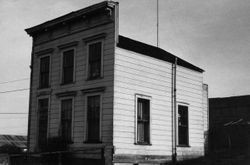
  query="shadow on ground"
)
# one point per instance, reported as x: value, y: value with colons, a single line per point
x: 217, y: 160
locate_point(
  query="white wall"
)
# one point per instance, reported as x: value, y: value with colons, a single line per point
x: 139, y: 74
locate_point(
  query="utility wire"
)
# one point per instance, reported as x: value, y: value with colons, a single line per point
x: 6, y: 82
x: 15, y: 90
x: 14, y: 113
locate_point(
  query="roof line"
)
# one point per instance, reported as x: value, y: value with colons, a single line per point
x: 153, y: 51
x: 69, y: 16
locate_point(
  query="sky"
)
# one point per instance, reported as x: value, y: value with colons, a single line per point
x: 213, y: 35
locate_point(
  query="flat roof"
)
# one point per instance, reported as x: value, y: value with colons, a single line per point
x: 70, y: 16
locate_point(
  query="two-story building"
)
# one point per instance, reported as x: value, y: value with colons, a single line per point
x: 106, y: 96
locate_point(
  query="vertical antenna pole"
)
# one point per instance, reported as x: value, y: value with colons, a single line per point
x: 157, y: 24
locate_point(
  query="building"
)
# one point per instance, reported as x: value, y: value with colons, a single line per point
x: 224, y: 110
x: 12, y: 149
x: 229, y: 122
x: 109, y: 97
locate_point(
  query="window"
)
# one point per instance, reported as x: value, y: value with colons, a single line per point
x: 44, y: 72
x: 43, y: 106
x: 94, y: 60
x: 143, y: 121
x: 68, y: 66
x: 66, y: 119
x: 93, y: 118
x: 182, y: 125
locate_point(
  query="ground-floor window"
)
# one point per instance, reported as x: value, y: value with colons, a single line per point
x: 183, y: 125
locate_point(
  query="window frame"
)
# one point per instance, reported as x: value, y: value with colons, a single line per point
x: 72, y: 117
x: 177, y: 124
x: 39, y: 82
x: 149, y: 98
x: 87, y: 58
x: 86, y: 140
x: 38, y: 117
x: 74, y: 63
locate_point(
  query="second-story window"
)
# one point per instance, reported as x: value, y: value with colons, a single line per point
x: 68, y: 66
x: 94, y: 60
x: 66, y: 119
x: 44, y: 72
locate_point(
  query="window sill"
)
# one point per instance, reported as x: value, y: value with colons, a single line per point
x: 183, y: 146
x: 92, y: 142
x: 69, y: 142
x: 143, y: 144
x: 43, y: 88
x: 95, y: 78
x: 70, y: 83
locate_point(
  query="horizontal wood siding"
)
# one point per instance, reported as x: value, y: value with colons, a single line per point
x: 80, y: 83
x: 190, y: 91
x: 139, y: 74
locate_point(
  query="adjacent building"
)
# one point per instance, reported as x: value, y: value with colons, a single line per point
x: 106, y: 96
x: 229, y: 122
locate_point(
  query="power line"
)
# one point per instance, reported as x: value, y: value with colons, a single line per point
x: 22, y: 79
x: 14, y: 118
x: 15, y: 90
x: 13, y: 113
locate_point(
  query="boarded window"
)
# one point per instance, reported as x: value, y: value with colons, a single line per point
x: 95, y: 55
x: 182, y: 125
x: 66, y: 119
x: 143, y: 118
x: 68, y: 66
x: 44, y: 72
x: 93, y: 118
x: 42, y: 122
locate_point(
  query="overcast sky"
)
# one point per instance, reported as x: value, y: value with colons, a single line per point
x: 212, y: 34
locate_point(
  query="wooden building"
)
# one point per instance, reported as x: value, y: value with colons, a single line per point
x: 109, y: 97
x: 229, y: 124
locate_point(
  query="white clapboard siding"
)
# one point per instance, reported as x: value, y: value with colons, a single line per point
x: 140, y: 74
x: 189, y: 90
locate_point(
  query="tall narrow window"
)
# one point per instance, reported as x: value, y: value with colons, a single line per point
x: 93, y: 118
x: 95, y: 57
x: 68, y: 66
x: 43, y: 106
x: 143, y: 118
x: 44, y: 72
x: 66, y: 119
x: 182, y: 125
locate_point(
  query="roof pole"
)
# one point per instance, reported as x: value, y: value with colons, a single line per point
x: 157, y: 24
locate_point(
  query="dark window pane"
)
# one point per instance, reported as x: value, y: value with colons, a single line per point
x: 42, y: 122
x: 93, y: 118
x: 143, y: 108
x: 95, y: 54
x: 183, y: 125
x: 44, y: 72
x: 66, y: 119
x: 68, y: 66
